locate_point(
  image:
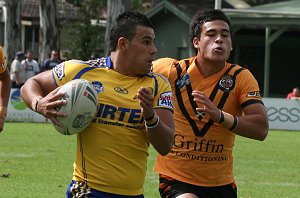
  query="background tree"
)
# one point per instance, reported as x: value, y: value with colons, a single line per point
x: 12, y: 42
x: 114, y: 8
x: 86, y: 39
x: 49, y: 28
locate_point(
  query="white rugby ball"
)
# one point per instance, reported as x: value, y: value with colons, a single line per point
x: 81, y: 106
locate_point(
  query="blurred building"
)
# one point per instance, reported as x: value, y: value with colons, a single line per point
x: 265, y: 37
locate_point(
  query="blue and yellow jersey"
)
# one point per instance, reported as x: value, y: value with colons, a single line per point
x: 3, y: 62
x: 112, y: 151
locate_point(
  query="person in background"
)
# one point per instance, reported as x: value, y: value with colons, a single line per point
x: 295, y: 94
x: 17, y: 71
x: 51, y: 62
x: 31, y: 65
x: 5, y: 87
x: 134, y: 109
x: 213, y: 102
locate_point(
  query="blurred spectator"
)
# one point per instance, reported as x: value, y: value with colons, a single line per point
x: 295, y: 94
x: 17, y: 71
x: 31, y: 65
x: 51, y: 62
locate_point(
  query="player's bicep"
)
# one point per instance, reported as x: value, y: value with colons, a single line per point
x: 45, y: 81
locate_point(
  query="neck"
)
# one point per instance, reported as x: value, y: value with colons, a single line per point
x: 209, y: 68
x: 119, y: 64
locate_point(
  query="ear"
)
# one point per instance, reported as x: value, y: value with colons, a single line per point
x: 122, y: 44
x: 196, y: 42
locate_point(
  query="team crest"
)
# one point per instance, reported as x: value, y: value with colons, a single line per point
x: 226, y: 83
x: 60, y: 71
x: 98, y: 86
x: 184, y: 80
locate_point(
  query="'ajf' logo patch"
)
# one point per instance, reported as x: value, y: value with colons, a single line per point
x: 226, y: 83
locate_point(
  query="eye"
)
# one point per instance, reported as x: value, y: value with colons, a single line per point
x: 147, y: 42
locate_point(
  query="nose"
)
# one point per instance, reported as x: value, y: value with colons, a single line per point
x: 153, y: 49
x: 219, y: 38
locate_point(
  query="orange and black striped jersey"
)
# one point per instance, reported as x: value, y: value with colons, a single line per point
x: 202, y: 153
x: 3, y: 62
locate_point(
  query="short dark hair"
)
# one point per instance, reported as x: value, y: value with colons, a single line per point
x: 203, y: 16
x: 125, y: 26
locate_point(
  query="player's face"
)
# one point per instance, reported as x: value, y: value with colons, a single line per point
x: 141, y: 50
x: 215, y: 41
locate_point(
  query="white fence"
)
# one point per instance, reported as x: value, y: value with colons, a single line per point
x: 283, y: 114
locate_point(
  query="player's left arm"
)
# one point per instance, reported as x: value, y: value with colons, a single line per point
x: 5, y: 87
x: 159, y: 121
x: 253, y: 123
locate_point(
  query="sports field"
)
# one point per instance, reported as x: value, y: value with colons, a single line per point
x: 36, y: 161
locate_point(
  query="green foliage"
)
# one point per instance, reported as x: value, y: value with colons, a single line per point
x: 84, y: 39
x: 36, y: 161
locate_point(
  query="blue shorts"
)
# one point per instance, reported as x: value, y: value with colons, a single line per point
x: 170, y: 188
x: 81, y: 189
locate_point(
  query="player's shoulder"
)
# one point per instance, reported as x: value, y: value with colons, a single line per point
x: 164, y: 62
x: 159, y: 77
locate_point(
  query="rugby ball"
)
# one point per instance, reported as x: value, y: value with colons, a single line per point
x: 81, y: 106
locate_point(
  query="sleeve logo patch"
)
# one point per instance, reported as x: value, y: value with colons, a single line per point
x: 166, y: 100
x: 59, y: 70
x: 253, y: 94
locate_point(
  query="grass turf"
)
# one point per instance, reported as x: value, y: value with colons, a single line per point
x: 36, y: 161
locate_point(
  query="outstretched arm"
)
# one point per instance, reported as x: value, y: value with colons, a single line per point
x: 252, y: 124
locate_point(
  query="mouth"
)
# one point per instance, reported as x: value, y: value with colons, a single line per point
x: 218, y: 49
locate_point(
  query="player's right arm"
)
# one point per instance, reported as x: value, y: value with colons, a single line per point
x: 40, y: 94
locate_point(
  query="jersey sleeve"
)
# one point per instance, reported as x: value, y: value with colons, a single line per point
x: 248, y: 89
x: 3, y: 62
x: 67, y: 71
x: 164, y: 98
x: 165, y: 67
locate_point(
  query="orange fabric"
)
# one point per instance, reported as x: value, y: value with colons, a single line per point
x: 207, y: 160
x: 3, y: 62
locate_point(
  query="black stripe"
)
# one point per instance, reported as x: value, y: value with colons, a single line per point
x: 155, y: 87
x: 181, y: 104
x: 253, y: 101
x: 222, y: 101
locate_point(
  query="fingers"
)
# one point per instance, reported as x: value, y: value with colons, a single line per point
x: 146, y: 101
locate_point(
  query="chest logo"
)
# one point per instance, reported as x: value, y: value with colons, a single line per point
x: 121, y: 90
x: 226, y: 83
x: 184, y: 80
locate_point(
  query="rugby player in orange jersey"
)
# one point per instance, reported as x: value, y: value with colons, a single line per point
x: 213, y: 102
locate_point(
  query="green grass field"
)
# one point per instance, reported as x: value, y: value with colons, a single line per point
x: 36, y: 161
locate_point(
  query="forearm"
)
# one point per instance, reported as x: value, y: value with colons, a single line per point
x: 30, y: 90
x: 161, y: 135
x: 252, y: 126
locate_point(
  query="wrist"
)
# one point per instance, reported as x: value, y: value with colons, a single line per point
x: 152, y: 119
x: 3, y: 112
x: 153, y: 125
x: 35, y: 102
x: 228, y: 121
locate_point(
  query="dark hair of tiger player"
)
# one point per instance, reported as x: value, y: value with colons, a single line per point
x: 202, y: 17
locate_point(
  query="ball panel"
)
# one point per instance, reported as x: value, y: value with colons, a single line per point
x: 81, y: 106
